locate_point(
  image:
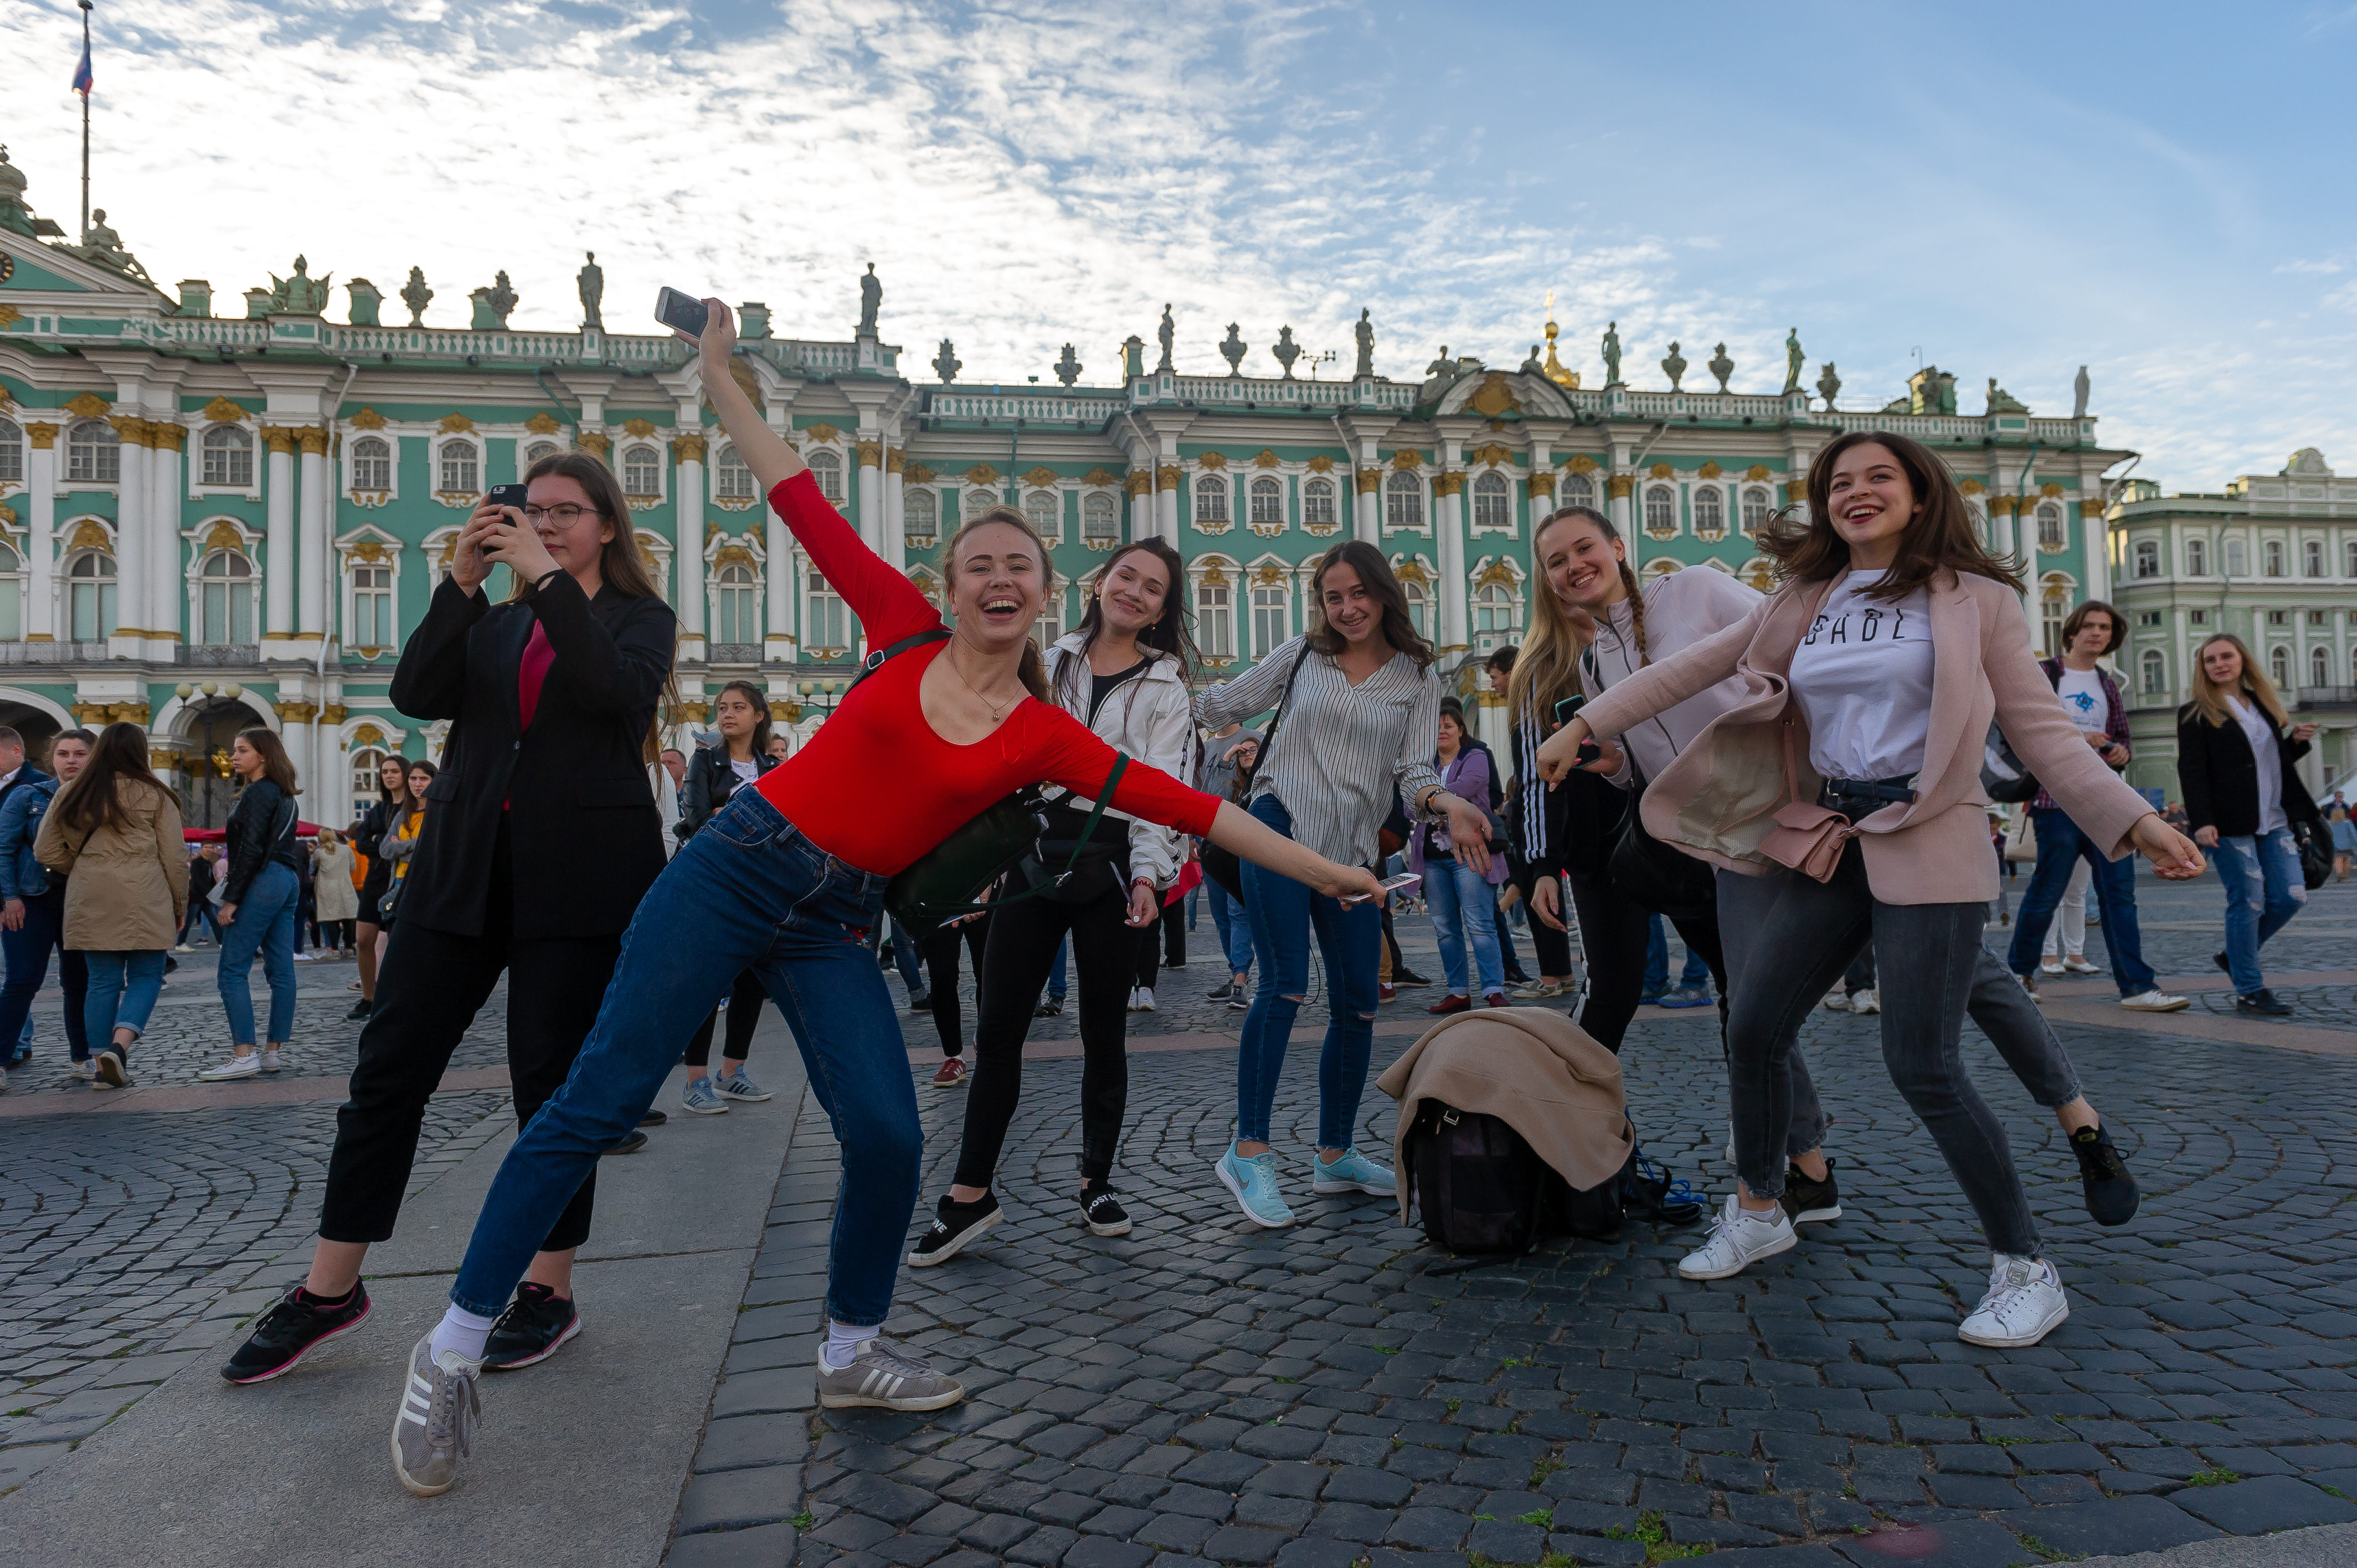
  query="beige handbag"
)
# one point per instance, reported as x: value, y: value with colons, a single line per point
x: 1807, y: 837
x: 2021, y: 841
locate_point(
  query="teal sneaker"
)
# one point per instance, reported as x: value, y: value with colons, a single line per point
x: 1355, y: 1172
x: 1254, y: 1181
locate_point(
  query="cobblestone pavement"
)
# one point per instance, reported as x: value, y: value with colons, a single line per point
x: 1203, y: 1391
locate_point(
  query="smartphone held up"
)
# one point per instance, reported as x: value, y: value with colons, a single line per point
x: 681, y: 312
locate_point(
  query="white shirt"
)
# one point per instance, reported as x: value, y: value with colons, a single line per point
x: 1681, y: 609
x: 2081, y: 692
x: 749, y: 770
x: 1863, y: 677
x: 2260, y: 731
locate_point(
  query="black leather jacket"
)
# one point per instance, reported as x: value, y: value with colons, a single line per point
x: 253, y: 843
x: 710, y: 782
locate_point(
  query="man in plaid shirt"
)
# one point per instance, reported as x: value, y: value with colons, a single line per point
x: 2093, y: 701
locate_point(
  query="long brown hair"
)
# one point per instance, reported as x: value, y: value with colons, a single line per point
x: 1376, y: 574
x: 2209, y: 698
x: 1942, y: 537
x: 416, y: 798
x: 1033, y: 669
x: 94, y: 799
x: 1170, y: 633
x: 276, y: 766
x: 760, y: 700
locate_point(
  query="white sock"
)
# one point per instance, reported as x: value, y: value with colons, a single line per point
x: 462, y: 1331
x: 843, y: 1345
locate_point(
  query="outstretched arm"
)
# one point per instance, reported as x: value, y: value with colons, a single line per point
x: 764, y: 451
x: 1247, y: 837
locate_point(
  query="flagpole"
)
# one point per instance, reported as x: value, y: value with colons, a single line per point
x: 85, y: 126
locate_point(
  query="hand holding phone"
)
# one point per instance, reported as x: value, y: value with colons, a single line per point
x: 1391, y: 884
x: 681, y: 312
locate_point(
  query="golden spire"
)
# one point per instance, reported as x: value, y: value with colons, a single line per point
x: 1554, y: 367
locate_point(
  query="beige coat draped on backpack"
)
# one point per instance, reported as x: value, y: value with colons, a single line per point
x: 127, y: 883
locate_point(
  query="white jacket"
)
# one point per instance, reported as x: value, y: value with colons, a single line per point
x: 1150, y: 718
x: 1681, y: 609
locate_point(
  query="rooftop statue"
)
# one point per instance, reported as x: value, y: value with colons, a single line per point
x: 1365, y: 334
x: 298, y: 294
x: 2079, y: 399
x: 492, y: 306
x: 104, y: 246
x: 15, y: 216
x: 1068, y: 369
x: 591, y: 281
x: 1675, y: 366
x: 1234, y: 350
x: 1533, y: 366
x: 416, y: 295
x: 1722, y: 367
x: 1285, y: 350
x: 946, y: 364
x: 2003, y: 402
x: 1168, y: 334
x: 1613, y: 354
x: 1793, y: 361
x: 1829, y: 385
x: 871, y: 300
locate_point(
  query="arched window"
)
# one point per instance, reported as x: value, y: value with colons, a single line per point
x: 538, y: 451
x: 225, y: 599
x: 2053, y: 609
x: 979, y: 501
x: 1270, y: 622
x: 12, y: 453
x: 641, y: 472
x: 1402, y: 500
x: 1709, y: 512
x: 1100, y: 519
x: 372, y: 464
x: 1419, y: 605
x: 1755, y: 507
x: 227, y: 457
x: 2238, y: 557
x: 368, y: 777
x: 1493, y: 501
x: 2147, y: 559
x: 93, y: 455
x: 2319, y: 666
x: 2279, y: 664
x: 462, y: 469
x: 825, y: 623
x: 2348, y: 560
x: 731, y: 479
x: 2049, y: 526
x: 826, y: 468
x: 1577, y: 490
x: 90, y: 596
x: 372, y: 625
x: 2155, y: 665
x: 1210, y: 499
x: 1215, y: 619
x: 2352, y: 666
x: 2312, y: 559
x: 2275, y: 557
x: 2197, y: 557
x: 919, y: 517
x: 1497, y: 616
x: 1318, y: 504
x: 1268, y: 502
x: 1051, y: 624
x: 12, y: 594
x: 1660, y: 511
x: 1044, y: 510
x: 737, y: 605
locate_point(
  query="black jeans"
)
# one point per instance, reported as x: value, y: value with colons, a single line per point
x: 1614, y: 931
x: 1172, y: 945
x: 1550, y: 949
x: 1023, y: 941
x: 1801, y: 935
x: 941, y: 976
x: 744, y: 999
x: 432, y: 985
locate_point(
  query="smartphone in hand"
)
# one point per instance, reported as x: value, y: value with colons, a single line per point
x: 683, y: 312
x: 1589, y: 750
x: 503, y: 495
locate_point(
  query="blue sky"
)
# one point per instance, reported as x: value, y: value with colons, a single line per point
x: 2157, y: 191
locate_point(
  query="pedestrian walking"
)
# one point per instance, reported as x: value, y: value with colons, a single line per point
x: 1360, y: 702
x: 338, y: 897
x: 1463, y: 899
x: 204, y: 870
x: 530, y: 851
x: 113, y: 833
x: 32, y: 920
x: 2235, y: 747
x: 368, y: 836
x: 1885, y: 584
x: 2065, y: 948
x: 2344, y: 840
x: 1222, y: 756
x: 741, y: 755
x: 259, y: 891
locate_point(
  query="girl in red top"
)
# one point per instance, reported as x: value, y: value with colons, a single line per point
x: 786, y: 880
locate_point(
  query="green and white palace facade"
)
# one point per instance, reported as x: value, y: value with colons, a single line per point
x: 215, y: 518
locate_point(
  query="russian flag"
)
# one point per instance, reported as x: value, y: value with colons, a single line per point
x: 81, y: 73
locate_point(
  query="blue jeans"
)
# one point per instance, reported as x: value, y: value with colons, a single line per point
x: 265, y: 923
x: 909, y: 958
x: 1059, y: 977
x: 747, y: 892
x: 1462, y: 900
x: 2264, y: 889
x: 123, y: 991
x: 1283, y: 915
x: 26, y: 950
x: 2060, y: 844
x: 1235, y: 931
x: 1657, y: 964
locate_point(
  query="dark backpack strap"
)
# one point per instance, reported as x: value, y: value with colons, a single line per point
x: 875, y: 658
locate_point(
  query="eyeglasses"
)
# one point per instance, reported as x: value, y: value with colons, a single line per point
x: 565, y: 514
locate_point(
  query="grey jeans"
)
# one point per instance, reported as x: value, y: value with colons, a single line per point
x: 1789, y: 937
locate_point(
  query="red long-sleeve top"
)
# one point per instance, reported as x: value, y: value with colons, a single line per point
x: 875, y: 787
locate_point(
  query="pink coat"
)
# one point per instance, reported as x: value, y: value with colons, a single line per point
x: 1716, y: 801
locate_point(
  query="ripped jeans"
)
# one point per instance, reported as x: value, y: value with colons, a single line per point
x: 1284, y: 915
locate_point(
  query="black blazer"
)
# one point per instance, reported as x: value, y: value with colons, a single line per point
x: 585, y: 835
x: 2220, y: 778
x: 710, y: 782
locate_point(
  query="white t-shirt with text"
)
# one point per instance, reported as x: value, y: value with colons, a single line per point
x: 1863, y: 677
x: 2081, y: 692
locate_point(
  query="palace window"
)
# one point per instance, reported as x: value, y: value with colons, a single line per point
x: 1318, y: 504
x: 641, y: 472
x: 1709, y: 512
x: 1493, y: 501
x: 2049, y: 526
x: 372, y: 464
x: 1402, y: 501
x: 2348, y: 560
x: 93, y: 455
x: 2279, y: 665
x: 2156, y: 674
x: 2238, y: 557
x: 1497, y: 616
x: 372, y: 623
x: 12, y: 453
x: 227, y: 457
x: 2312, y: 558
x: 2197, y: 617
x: 2279, y: 618
x: 1755, y: 507
x: 2319, y: 666
x: 90, y: 596
x: 1215, y: 628
x: 1100, y: 519
x: 824, y: 622
x: 2054, y: 608
x: 1577, y: 490
x: 1269, y: 618
x: 978, y: 501
x: 2275, y: 557
x: 826, y: 468
x: 919, y: 517
x: 225, y: 599
x: 2149, y: 617
x: 462, y: 469
x: 1660, y: 511
x: 1051, y: 624
x: 1210, y: 499
x: 1419, y: 605
x: 538, y: 453
x: 2319, y: 619
x: 368, y: 777
x: 1268, y: 502
x: 1044, y: 510
x: 2197, y: 557
x: 731, y: 479
x: 12, y: 594
x: 737, y: 606
x: 2147, y: 559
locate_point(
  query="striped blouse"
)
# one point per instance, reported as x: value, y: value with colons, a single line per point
x: 1341, y: 752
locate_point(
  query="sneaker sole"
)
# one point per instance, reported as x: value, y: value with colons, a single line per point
x: 747, y: 1098
x: 720, y: 1110
x: 1816, y: 1216
x: 921, y: 1401
x: 110, y: 1072
x: 296, y: 1361
x: 1326, y: 1188
x: 2180, y: 1005
x: 2018, y: 1341
x: 917, y: 1260
x: 1236, y: 1192
x: 535, y: 1359
x: 1784, y: 1245
x: 1097, y: 1230
x: 957, y: 1083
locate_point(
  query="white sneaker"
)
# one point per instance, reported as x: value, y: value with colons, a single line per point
x: 1837, y: 1002
x: 246, y: 1066
x: 1739, y: 1237
x: 2051, y: 966
x: 2024, y: 1305
x: 1145, y: 999
x: 271, y: 1059
x: 183, y: 947
x: 1132, y: 1002
x: 2156, y: 1001
x: 82, y: 1072
x: 2079, y: 965
x: 1866, y: 1001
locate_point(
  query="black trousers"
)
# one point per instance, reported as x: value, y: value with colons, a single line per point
x: 1023, y: 941
x: 1173, y: 944
x: 1551, y: 949
x: 744, y: 999
x: 941, y: 976
x: 1614, y: 929
x: 427, y: 993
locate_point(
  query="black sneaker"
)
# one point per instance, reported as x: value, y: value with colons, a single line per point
x: 2111, y: 1190
x: 1805, y: 1200
x: 530, y: 1329
x: 1225, y: 989
x: 921, y: 1002
x: 1407, y: 977
x: 2219, y: 960
x: 1103, y: 1212
x: 2264, y: 1001
x: 1050, y: 1006
x: 629, y: 1144
x: 654, y: 1118
x: 360, y: 1010
x: 954, y: 1224
x: 293, y: 1325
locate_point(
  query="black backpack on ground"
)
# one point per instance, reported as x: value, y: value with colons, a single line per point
x: 1483, y: 1190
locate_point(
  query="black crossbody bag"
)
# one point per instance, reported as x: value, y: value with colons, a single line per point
x: 1645, y: 871
x: 1222, y: 866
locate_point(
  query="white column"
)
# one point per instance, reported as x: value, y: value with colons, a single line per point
x: 164, y: 529
x: 1447, y: 519
x: 895, y: 523
x: 1141, y: 506
x: 1370, y: 505
x: 41, y: 618
x: 132, y: 525
x: 1166, y: 503
x: 870, y: 458
x: 778, y: 646
x: 311, y: 593
x: 688, y: 549
x: 278, y: 510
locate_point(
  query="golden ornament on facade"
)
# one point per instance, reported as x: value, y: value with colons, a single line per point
x: 278, y: 437
x: 1212, y: 575
x: 220, y: 411
x: 642, y: 428
x: 1490, y: 453
x: 687, y: 448
x: 1267, y: 458
x: 1757, y: 471
x: 821, y: 431
x: 734, y: 556
x: 1411, y: 571
x: 916, y: 474
x: 1708, y: 471
x: 895, y: 459
x: 1102, y: 478
x: 870, y: 453
x: 1542, y: 483
x: 44, y: 437
x: 1617, y: 486
x: 1580, y: 463
x: 982, y: 476
x: 2051, y: 491
x: 596, y: 443
x: 313, y: 439
x: 367, y: 734
x: 1410, y: 459
x: 1139, y: 482
x: 1269, y: 575
x: 369, y: 550
x: 1496, y: 573
x: 1495, y: 398
x: 543, y: 423
x: 1660, y: 470
x: 1796, y: 490
x: 86, y: 406
x: 1042, y: 478
x: 1211, y: 460
x: 1371, y: 481
x: 1321, y: 464
x: 225, y: 536
x: 334, y: 714
x: 1167, y: 478
x: 296, y: 712
x: 9, y: 316
x: 1971, y: 487
x: 452, y: 424
x: 130, y: 430
x: 1447, y: 484
x: 368, y: 419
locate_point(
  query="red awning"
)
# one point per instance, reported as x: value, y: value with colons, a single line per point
x: 217, y: 835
